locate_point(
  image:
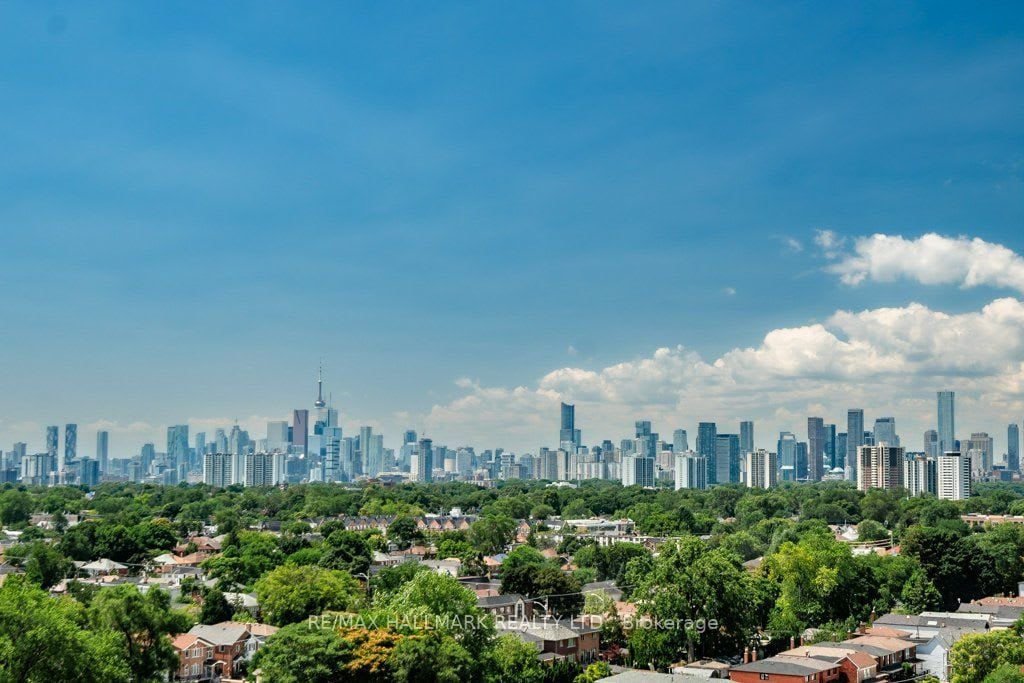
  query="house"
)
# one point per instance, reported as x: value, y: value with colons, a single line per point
x: 934, y: 653
x: 194, y: 658
x: 781, y: 669
x: 448, y: 567
x: 607, y: 587
x: 105, y: 567
x: 889, y: 653
x: 228, y: 646
x: 210, y: 653
x: 244, y: 601
x: 642, y: 676
x: 510, y: 607
x: 925, y: 626
x: 855, y: 666
x: 703, y: 669
x: 557, y: 639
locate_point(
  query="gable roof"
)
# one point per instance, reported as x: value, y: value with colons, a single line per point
x: 225, y: 633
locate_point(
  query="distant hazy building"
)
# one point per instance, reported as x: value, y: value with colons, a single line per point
x: 300, y: 430
x: 264, y: 469
x: 568, y: 435
x: 954, y: 476
x: 761, y: 469
x: 707, y: 448
x: 885, y: 431
x: 920, y: 475
x: 786, y: 449
x: 746, y: 437
x: 424, y: 461
x: 70, y: 445
x: 52, y: 441
x: 947, y: 422
x: 980, y: 447
x: 854, y: 440
x: 637, y: 470
x: 879, y: 467
x: 88, y: 471
x: 1013, y: 448
x: 103, y: 450
x: 177, y: 450
x: 691, y: 471
x: 931, y: 443
x: 277, y: 436
x: 727, y: 458
x: 840, y: 461
x: 815, y: 448
x: 218, y: 469
x: 679, y: 441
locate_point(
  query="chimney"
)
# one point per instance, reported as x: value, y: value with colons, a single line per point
x: 801, y: 641
x: 792, y: 642
x: 746, y: 655
x: 753, y: 655
x: 849, y: 635
x: 871, y: 619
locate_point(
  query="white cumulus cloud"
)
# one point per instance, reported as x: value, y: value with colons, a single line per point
x: 931, y: 259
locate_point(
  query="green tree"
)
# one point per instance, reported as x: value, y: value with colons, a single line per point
x: 440, y: 602
x: 870, y: 530
x: 215, y: 608
x: 512, y: 660
x: 919, y: 594
x: 348, y: 551
x: 289, y: 594
x: 1005, y: 673
x: 693, y: 585
x: 306, y: 653
x: 977, y: 655
x: 143, y: 624
x: 449, y: 662
x: 15, y: 507
x: 403, y: 531
x: 491, y: 535
x: 44, y: 639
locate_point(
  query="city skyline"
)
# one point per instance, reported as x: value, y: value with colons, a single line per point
x: 617, y: 208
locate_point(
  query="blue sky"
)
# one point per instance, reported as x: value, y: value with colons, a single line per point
x: 199, y: 202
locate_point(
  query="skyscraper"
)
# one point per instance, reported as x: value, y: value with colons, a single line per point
x: 300, y: 430
x: 52, y: 442
x: 981, y: 450
x: 746, y: 437
x: 787, y: 456
x: 830, y: 446
x: 1013, y: 448
x: 815, y: 448
x: 931, y: 443
x: 425, y: 460
x: 947, y: 422
x: 885, y: 431
x: 840, y: 461
x: 567, y: 431
x: 70, y: 445
x: 277, y: 436
x: 707, y: 433
x: 679, y: 442
x: 727, y: 458
x: 102, y: 450
x: 854, y: 440
x: 177, y: 449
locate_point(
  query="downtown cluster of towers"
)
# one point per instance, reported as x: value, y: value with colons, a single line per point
x: 312, y: 448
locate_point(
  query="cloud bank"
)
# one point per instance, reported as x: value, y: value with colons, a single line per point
x: 889, y: 361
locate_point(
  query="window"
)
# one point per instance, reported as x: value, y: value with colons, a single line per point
x: 764, y: 677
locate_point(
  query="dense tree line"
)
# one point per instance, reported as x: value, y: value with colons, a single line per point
x: 806, y: 577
